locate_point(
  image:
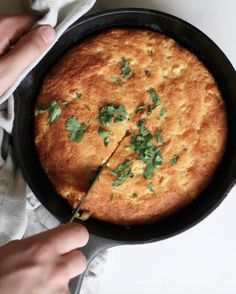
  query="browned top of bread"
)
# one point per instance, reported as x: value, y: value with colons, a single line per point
x: 144, y: 85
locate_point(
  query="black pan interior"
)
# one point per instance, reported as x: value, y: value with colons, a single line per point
x: 189, y: 37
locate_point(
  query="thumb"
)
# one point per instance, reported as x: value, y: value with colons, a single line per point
x: 27, y: 50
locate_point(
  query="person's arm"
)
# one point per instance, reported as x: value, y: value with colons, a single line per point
x: 43, y: 263
x: 19, y: 46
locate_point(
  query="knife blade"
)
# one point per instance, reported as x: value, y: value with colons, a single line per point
x: 95, y: 181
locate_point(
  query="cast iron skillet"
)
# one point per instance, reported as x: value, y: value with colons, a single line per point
x: 104, y: 235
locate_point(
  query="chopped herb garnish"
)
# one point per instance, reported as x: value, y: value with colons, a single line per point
x: 126, y: 71
x: 140, y: 108
x: 53, y: 109
x: 78, y: 95
x: 105, y: 135
x: 147, y: 151
x: 150, y: 187
x: 163, y: 112
x: 122, y: 167
x: 109, y: 113
x: 158, y: 137
x: 174, y: 160
x: 155, y: 99
x: 76, y: 129
x: 142, y: 128
x: 122, y: 178
x: 124, y: 172
x: 117, y: 80
x: 106, y: 141
x: 41, y: 109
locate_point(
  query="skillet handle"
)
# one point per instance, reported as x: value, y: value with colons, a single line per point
x: 94, y: 247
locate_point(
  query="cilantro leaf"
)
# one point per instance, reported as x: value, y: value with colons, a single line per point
x: 111, y: 113
x: 143, y: 145
x: 105, y: 135
x: 174, y: 160
x: 41, y: 109
x: 76, y: 129
x: 149, y: 171
x: 158, y: 137
x: 106, y: 141
x: 122, y: 167
x: 117, y: 80
x: 122, y: 178
x: 54, y: 111
x: 157, y: 160
x: 142, y: 129
x: 163, y: 112
x: 126, y: 71
x: 155, y: 99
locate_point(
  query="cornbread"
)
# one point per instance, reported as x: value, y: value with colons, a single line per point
x: 142, y: 92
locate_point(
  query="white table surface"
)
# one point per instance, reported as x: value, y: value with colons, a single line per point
x: 203, y: 259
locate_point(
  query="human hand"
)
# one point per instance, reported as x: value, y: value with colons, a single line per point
x: 19, y: 46
x: 43, y: 263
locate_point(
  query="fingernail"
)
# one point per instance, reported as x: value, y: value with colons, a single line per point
x: 47, y: 33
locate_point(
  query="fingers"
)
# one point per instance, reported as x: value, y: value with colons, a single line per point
x: 27, y: 50
x: 62, y: 239
x: 67, y: 267
x: 73, y: 263
x: 12, y: 28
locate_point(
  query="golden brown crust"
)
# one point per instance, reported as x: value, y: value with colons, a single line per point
x: 195, y: 126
